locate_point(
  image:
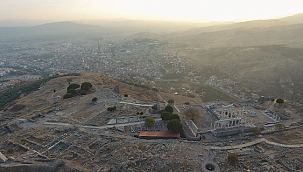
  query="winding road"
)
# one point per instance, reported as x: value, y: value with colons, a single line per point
x: 253, y: 143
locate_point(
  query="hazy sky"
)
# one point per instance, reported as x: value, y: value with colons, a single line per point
x: 194, y: 10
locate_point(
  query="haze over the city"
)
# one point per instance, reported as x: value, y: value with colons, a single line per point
x: 142, y: 85
x: 190, y: 10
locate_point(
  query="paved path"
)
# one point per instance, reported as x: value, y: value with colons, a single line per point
x: 253, y: 143
x: 176, y: 108
x: 96, y: 127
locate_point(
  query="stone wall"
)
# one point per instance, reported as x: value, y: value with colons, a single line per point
x: 189, y: 137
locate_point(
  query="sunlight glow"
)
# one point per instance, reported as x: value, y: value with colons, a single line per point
x: 192, y: 10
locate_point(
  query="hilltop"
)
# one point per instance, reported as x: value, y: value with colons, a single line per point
x: 50, y: 132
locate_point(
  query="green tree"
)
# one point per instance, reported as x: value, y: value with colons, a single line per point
x: 169, y: 109
x: 280, y: 101
x: 72, y: 91
x: 141, y: 113
x: 171, y: 101
x: 232, y: 159
x: 86, y: 86
x: 111, y: 108
x: 125, y: 95
x: 94, y: 99
x: 174, y: 126
x: 165, y: 115
x: 149, y: 121
x: 67, y: 95
x: 73, y: 86
x: 256, y: 131
x: 174, y: 116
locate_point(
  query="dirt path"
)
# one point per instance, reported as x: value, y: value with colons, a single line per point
x: 254, y: 143
x: 96, y: 127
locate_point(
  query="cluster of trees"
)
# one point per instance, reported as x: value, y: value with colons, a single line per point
x: 174, y: 123
x: 13, y: 93
x: 111, y: 109
x: 168, y: 116
x: 72, y: 89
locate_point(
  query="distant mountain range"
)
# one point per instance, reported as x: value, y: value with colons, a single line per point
x: 174, y: 29
x: 65, y: 28
x: 288, y: 31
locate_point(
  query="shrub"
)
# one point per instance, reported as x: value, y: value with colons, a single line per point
x: 171, y: 101
x: 280, y: 101
x: 94, y: 99
x: 72, y: 91
x: 191, y: 95
x: 232, y: 159
x: 73, y: 86
x: 67, y: 95
x: 279, y: 126
x: 111, y: 108
x: 10, y: 150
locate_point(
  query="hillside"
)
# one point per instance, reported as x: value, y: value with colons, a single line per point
x: 262, y: 57
x: 45, y: 131
x: 45, y: 99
